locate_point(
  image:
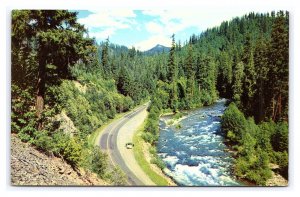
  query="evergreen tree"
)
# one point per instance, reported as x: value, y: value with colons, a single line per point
x: 201, y: 72
x: 249, y: 85
x: 124, y: 82
x: 261, y: 67
x: 171, y: 62
x: 105, y: 60
x: 224, y: 75
x: 172, y: 77
x: 237, y: 86
x: 190, y: 73
x: 56, y: 38
x: 279, y: 65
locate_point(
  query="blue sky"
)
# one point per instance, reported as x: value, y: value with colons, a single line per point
x: 144, y: 29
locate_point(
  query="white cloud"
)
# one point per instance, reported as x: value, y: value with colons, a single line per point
x: 167, y: 22
x: 125, y: 13
x: 176, y: 20
x: 103, y: 34
x: 153, y: 27
x: 152, y: 41
x: 104, y: 23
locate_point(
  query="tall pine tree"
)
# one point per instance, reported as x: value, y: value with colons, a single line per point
x: 57, y: 42
x: 279, y: 65
x: 172, y: 77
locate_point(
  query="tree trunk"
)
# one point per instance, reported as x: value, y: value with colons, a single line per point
x: 279, y: 106
x: 40, y: 92
x: 273, y: 108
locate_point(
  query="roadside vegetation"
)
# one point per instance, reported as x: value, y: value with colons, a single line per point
x: 139, y: 153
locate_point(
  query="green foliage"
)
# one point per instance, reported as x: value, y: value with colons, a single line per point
x: 22, y: 113
x: 44, y: 142
x: 90, y: 102
x: 98, y: 162
x: 72, y: 151
x: 280, y: 137
x: 171, y: 63
x: 117, y: 177
x: 104, y: 60
x: 178, y: 126
x: 254, y: 167
x: 233, y: 123
x: 282, y: 159
x: 256, y: 145
x: 237, y: 87
x: 279, y: 68
x: 157, y: 161
x: 152, y: 126
x: 177, y: 115
x: 149, y: 137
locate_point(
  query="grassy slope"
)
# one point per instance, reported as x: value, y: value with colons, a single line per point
x: 139, y: 156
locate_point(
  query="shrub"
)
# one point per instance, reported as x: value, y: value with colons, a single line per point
x: 152, y: 150
x: 158, y: 161
x: 148, y: 137
x: 152, y: 126
x: 177, y: 116
x: 233, y: 120
x: 178, y: 126
x: 43, y: 141
x: 280, y: 137
x: 254, y: 167
x: 264, y: 136
x: 23, y: 118
x: 67, y: 147
x: 98, y: 162
x: 117, y: 177
x: 282, y: 159
x: 170, y: 122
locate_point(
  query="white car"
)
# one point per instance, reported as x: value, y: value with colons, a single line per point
x: 129, y: 145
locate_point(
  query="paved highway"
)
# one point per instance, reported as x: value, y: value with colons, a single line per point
x: 113, y: 140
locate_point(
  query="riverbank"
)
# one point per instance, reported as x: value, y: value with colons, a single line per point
x: 144, y: 157
x: 255, y: 146
x: 173, y: 119
x: 275, y: 180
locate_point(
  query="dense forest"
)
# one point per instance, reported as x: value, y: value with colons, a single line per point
x: 58, y: 71
x: 246, y: 61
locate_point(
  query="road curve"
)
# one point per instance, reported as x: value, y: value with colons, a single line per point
x: 113, y: 140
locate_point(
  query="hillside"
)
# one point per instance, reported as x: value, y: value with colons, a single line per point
x: 31, y: 167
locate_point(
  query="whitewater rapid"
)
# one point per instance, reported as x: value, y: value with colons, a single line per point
x: 196, y: 154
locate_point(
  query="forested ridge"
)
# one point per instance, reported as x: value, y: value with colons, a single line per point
x: 57, y: 68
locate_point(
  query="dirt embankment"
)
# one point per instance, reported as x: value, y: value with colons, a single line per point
x: 31, y: 167
x: 276, y: 179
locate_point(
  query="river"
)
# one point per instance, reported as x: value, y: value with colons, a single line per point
x: 195, y: 154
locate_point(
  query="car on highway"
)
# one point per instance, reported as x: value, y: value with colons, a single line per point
x: 129, y: 145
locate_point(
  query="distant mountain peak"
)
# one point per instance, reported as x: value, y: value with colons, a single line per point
x: 157, y: 49
x: 159, y: 46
